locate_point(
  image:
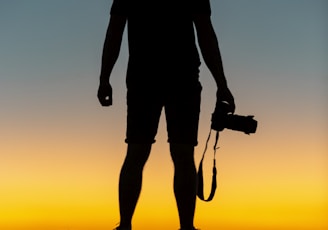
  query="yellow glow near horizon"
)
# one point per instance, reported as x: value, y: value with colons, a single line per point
x: 58, y: 184
x: 259, y: 191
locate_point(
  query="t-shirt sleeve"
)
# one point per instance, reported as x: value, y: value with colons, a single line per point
x: 201, y: 7
x: 119, y: 7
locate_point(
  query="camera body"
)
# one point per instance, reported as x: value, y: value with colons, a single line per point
x: 221, y: 119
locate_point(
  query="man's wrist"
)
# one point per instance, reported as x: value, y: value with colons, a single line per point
x: 220, y: 79
x: 104, y: 79
x: 221, y: 83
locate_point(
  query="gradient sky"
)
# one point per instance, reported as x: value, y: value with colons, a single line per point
x: 61, y: 152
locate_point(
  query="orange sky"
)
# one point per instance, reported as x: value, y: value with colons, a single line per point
x: 59, y: 183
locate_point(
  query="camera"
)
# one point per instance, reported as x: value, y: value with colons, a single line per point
x: 221, y: 119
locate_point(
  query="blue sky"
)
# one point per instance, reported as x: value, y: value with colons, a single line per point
x: 47, y: 43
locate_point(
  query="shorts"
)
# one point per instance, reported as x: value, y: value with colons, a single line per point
x: 181, y: 104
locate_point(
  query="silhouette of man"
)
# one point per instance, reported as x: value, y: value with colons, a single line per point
x: 163, y: 72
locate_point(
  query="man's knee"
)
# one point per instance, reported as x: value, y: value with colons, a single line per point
x: 138, y: 153
x: 182, y: 152
x: 139, y: 148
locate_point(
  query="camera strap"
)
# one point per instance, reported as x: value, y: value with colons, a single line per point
x: 200, y: 190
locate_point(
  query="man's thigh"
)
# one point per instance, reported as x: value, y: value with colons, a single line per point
x: 143, y: 114
x: 182, y: 110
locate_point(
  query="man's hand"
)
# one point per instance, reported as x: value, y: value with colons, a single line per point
x: 105, y: 93
x: 224, y: 94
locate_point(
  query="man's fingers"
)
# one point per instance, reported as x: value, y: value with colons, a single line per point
x: 226, y: 96
x: 105, y: 95
x: 233, y: 108
x: 106, y: 103
x: 105, y: 100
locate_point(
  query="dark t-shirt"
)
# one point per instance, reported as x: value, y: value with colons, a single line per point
x: 161, y: 39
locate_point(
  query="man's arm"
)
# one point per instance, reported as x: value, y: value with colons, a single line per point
x: 110, y: 54
x: 209, y: 47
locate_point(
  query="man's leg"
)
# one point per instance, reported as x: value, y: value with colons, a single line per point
x: 185, y: 183
x: 131, y: 181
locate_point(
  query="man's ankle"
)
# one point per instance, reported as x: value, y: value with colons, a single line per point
x: 123, y: 227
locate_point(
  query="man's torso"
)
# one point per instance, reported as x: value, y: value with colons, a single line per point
x: 161, y: 38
